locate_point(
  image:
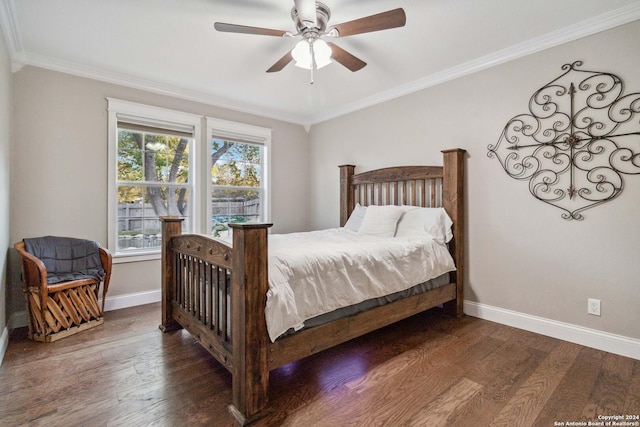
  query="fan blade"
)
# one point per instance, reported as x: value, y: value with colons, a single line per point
x: 307, y: 12
x: 345, y: 58
x: 232, y: 28
x: 382, y: 21
x: 282, y: 62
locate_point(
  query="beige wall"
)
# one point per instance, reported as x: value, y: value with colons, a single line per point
x: 522, y: 255
x: 59, y: 165
x: 5, y: 138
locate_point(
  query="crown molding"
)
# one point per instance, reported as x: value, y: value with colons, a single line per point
x: 10, y: 29
x: 582, y: 29
x: 147, y: 85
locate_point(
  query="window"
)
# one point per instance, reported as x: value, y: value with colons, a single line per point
x: 158, y: 167
x: 152, y: 174
x: 239, y: 174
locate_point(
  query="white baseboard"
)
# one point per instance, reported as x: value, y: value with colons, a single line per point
x: 131, y: 300
x: 611, y: 343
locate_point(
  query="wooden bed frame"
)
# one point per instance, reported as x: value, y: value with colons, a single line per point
x: 218, y: 293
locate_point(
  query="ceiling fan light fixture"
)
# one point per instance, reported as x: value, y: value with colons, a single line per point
x: 302, y: 53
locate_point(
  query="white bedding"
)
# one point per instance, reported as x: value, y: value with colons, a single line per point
x: 317, y: 272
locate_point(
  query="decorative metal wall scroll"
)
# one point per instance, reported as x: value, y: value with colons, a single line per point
x: 581, y: 136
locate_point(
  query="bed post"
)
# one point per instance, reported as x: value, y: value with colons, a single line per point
x: 250, y: 341
x: 453, y: 202
x: 347, y: 202
x: 171, y: 226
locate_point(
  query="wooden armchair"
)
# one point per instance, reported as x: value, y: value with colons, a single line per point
x: 60, y: 280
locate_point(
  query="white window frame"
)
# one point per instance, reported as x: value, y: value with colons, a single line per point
x: 240, y: 132
x: 119, y: 108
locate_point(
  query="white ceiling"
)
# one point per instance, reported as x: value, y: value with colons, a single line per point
x: 171, y: 47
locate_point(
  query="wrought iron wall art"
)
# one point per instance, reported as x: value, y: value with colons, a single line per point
x: 581, y: 136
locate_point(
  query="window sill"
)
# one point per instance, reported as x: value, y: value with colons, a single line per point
x: 136, y: 257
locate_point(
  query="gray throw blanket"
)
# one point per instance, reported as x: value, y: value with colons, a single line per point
x: 67, y: 258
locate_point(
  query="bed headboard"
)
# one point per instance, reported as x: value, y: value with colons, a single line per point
x: 425, y: 186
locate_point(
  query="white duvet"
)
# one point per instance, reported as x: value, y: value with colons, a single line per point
x: 317, y: 272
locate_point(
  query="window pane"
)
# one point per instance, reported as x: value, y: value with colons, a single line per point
x: 152, y: 157
x: 236, y: 164
x: 139, y: 209
x: 234, y: 206
x: 166, y: 158
x: 129, y: 157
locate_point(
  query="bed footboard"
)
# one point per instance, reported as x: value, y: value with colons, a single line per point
x: 218, y: 294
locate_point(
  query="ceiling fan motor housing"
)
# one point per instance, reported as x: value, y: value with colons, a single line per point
x: 323, y: 13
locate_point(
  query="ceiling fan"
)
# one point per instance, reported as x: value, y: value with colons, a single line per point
x: 311, y: 19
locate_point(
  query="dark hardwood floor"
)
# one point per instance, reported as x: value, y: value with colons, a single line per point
x: 429, y: 370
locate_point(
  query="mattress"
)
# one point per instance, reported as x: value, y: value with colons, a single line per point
x: 315, y: 273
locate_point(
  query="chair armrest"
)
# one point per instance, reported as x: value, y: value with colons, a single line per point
x: 34, y: 273
x: 107, y: 262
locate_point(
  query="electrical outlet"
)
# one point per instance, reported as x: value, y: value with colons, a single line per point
x: 593, y: 306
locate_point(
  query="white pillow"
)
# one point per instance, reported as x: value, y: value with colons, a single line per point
x: 355, y: 219
x: 432, y: 221
x: 381, y: 220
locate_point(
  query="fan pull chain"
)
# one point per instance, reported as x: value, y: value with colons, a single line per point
x: 313, y: 60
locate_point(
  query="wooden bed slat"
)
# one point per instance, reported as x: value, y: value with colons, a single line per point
x: 215, y: 304
x: 224, y: 312
x: 433, y: 193
x: 414, y: 192
x: 396, y: 197
x: 207, y: 295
